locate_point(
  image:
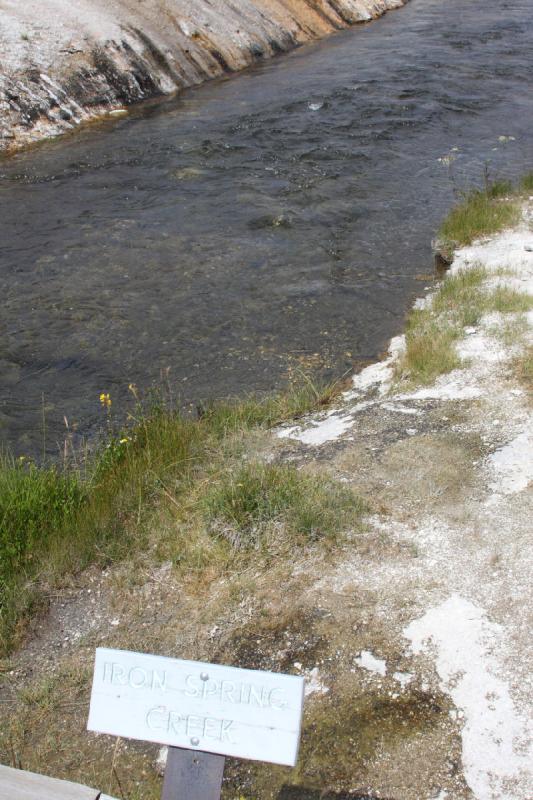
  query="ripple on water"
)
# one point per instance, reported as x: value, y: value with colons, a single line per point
x: 253, y: 224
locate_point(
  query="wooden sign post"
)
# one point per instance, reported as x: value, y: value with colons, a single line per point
x: 203, y: 712
x: 192, y: 776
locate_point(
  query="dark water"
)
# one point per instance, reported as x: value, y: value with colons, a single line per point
x: 234, y: 234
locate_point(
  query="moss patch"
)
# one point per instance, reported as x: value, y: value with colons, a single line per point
x: 345, y: 730
x: 343, y: 733
x: 276, y: 642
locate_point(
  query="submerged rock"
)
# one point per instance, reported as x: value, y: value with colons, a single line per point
x: 443, y: 252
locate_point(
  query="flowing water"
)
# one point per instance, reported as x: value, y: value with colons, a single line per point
x: 274, y: 221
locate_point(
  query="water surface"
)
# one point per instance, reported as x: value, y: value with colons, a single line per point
x: 277, y: 220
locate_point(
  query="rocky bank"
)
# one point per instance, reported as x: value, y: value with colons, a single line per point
x: 65, y: 63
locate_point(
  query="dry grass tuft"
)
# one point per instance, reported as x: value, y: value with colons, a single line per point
x: 523, y: 367
x: 246, y: 503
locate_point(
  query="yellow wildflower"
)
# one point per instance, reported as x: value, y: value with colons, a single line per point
x: 105, y: 400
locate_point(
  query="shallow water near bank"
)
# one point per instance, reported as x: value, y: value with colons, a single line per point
x: 275, y: 221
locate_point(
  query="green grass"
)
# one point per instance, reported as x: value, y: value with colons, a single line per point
x: 480, y: 213
x: 504, y: 300
x: 526, y: 184
x: 430, y: 350
x: 55, y: 522
x: 461, y: 301
x: 231, y: 417
x: 460, y: 297
x: 497, y: 189
x: 249, y: 500
x: 33, y: 503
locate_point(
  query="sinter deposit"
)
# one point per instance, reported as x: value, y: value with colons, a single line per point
x: 64, y: 63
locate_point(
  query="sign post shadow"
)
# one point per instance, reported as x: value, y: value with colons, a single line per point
x: 202, y: 712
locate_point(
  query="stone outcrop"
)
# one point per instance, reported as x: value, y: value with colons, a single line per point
x: 63, y: 63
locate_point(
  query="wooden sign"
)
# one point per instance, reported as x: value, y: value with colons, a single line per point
x: 207, y: 707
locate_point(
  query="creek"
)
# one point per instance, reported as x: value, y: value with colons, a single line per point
x: 278, y: 220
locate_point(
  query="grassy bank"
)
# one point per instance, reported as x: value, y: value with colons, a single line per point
x: 433, y: 331
x: 54, y: 522
x: 463, y: 298
x: 482, y: 212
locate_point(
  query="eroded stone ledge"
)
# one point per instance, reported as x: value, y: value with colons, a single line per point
x: 61, y: 65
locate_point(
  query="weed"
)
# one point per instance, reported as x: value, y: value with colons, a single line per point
x: 504, y: 300
x: 45, y: 732
x: 511, y: 331
x: 35, y: 503
x: 459, y: 295
x: 236, y: 416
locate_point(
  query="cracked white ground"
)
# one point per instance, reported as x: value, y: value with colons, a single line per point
x: 468, y: 593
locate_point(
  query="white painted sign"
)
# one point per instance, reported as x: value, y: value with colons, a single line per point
x: 234, y: 712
